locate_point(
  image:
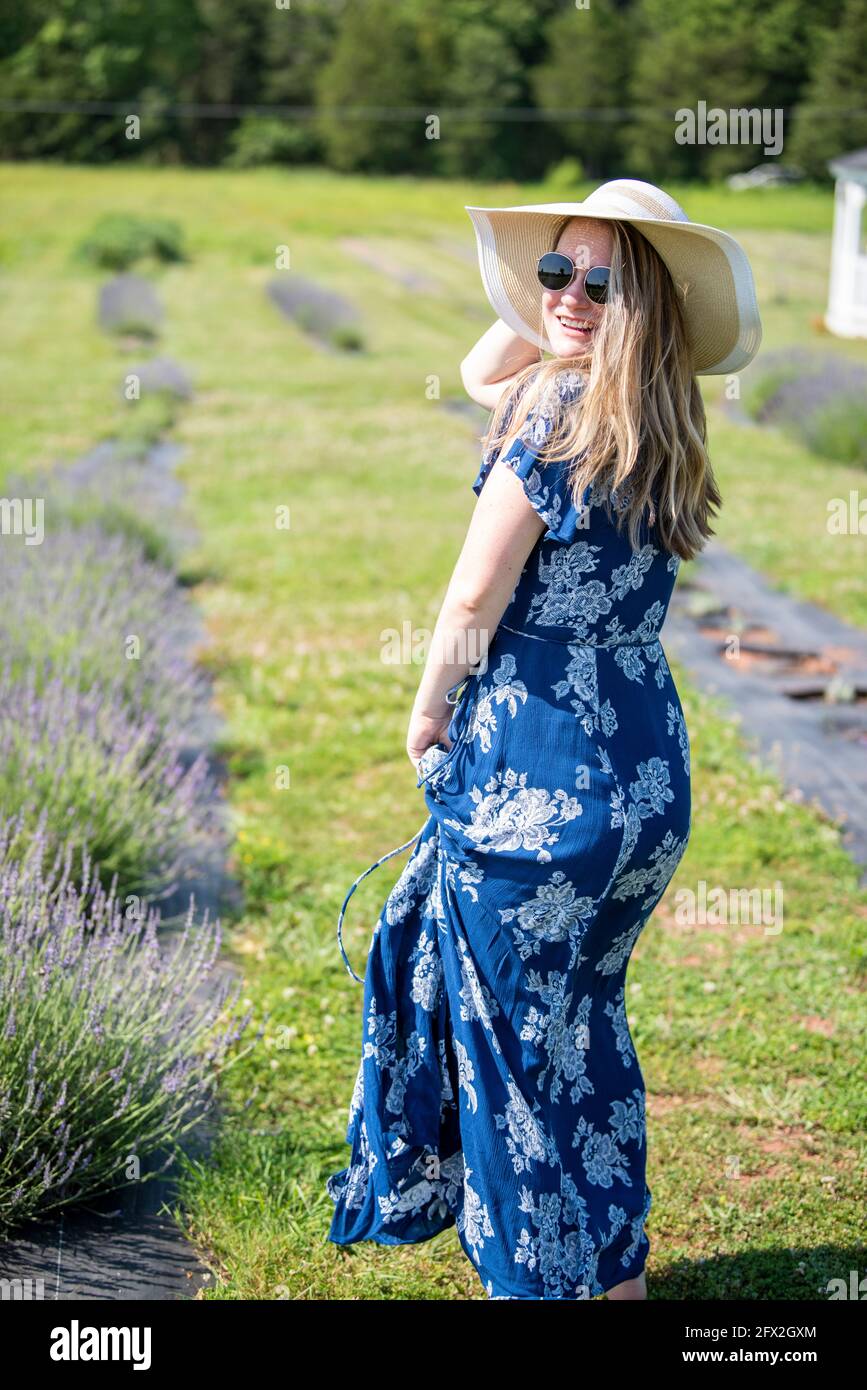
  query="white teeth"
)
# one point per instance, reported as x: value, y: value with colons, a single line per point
x: 584, y: 324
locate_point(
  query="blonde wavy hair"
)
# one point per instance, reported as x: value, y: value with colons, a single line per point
x: 638, y: 425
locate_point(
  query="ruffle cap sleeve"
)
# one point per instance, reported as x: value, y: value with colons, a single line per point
x: 545, y: 483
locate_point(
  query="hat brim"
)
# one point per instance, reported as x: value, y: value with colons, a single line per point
x: 709, y: 267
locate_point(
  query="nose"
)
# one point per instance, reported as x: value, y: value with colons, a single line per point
x: 574, y: 295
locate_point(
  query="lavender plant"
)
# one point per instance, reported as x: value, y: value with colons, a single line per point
x: 90, y: 599
x: 122, y: 486
x: 96, y: 773
x: 320, y: 312
x: 819, y: 398
x: 113, y: 1039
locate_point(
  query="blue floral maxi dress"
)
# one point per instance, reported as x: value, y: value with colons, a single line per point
x: 498, y: 1088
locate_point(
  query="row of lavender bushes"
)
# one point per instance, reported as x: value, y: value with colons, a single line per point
x: 110, y: 1050
x: 113, y: 1028
x: 818, y: 398
x: 100, y: 701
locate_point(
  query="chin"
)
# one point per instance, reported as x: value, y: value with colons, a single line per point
x: 570, y: 349
x: 567, y: 347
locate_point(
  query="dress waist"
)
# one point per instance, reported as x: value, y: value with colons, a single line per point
x: 574, y: 641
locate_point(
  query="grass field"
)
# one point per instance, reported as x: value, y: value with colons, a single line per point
x: 750, y: 1043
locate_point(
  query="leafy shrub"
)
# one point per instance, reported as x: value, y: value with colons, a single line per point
x: 166, y: 239
x: 111, y: 1047
x: 120, y: 239
x: 259, y: 140
x: 565, y: 176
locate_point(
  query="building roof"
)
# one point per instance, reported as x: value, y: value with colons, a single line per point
x: 850, y: 166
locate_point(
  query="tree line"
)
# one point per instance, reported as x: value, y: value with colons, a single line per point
x: 480, y: 88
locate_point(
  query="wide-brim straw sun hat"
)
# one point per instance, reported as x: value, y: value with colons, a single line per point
x: 709, y: 268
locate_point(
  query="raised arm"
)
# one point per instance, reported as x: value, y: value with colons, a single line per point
x: 490, y: 367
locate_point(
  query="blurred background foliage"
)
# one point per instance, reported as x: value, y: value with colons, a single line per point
x: 246, y: 83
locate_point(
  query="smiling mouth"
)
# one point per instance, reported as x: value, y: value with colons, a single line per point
x: 579, y: 327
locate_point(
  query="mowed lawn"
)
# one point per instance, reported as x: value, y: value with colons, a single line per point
x: 749, y: 1041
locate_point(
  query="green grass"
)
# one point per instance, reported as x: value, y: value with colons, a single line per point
x: 750, y: 1044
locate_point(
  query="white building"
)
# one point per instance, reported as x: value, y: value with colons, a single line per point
x: 847, y: 294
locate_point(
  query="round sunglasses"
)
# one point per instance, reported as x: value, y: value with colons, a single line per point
x: 556, y: 271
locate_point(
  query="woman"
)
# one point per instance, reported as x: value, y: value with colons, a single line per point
x: 499, y: 1089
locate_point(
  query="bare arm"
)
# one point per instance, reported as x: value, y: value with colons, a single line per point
x: 503, y: 531
x: 491, y: 366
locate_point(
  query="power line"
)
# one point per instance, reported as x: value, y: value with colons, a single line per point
x: 219, y: 111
